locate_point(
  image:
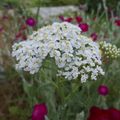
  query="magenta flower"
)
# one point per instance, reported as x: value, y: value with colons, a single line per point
x: 94, y: 36
x: 103, y: 90
x: 61, y: 18
x: 78, y: 19
x: 39, y: 112
x: 31, y: 22
x: 117, y: 22
x: 84, y: 27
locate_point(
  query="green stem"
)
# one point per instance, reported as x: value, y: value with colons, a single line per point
x: 72, y: 93
x: 38, y: 10
x: 60, y: 83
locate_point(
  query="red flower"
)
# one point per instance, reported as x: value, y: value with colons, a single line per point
x: 39, y: 112
x: 104, y: 114
x: 94, y: 36
x: 31, y: 22
x: 115, y: 114
x: 78, y: 19
x: 84, y: 27
x: 117, y: 22
x: 103, y: 90
x: 98, y: 114
x: 68, y: 19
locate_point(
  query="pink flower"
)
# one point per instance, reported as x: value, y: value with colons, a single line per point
x: 68, y: 19
x: 94, y: 36
x: 117, y: 22
x: 84, y: 27
x: 78, y: 19
x: 39, y: 112
x: 103, y: 90
x: 31, y: 22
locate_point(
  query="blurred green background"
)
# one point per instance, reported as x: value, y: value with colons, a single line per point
x: 92, y: 4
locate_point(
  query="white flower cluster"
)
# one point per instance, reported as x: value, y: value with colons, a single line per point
x: 109, y: 50
x: 75, y: 55
x: 30, y: 55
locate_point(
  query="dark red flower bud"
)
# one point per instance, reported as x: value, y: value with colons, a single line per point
x: 78, y: 19
x: 68, y: 19
x: 84, y: 27
x: 61, y: 18
x: 94, y: 36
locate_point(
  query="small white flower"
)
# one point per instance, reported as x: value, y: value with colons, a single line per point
x: 84, y: 77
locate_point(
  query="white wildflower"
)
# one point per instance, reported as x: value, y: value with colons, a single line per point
x: 75, y: 55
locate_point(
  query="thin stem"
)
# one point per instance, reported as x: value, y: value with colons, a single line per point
x: 38, y: 10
